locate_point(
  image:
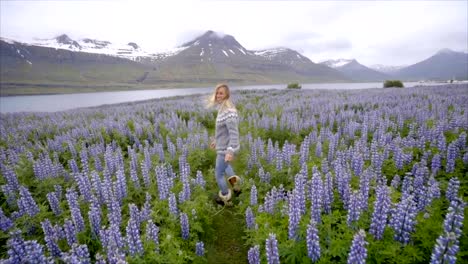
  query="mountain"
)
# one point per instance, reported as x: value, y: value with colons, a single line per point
x: 355, y: 71
x: 387, y: 69
x: 208, y: 59
x: 444, y: 65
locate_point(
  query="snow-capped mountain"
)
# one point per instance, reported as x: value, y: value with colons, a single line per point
x: 130, y: 50
x: 336, y: 63
x: 354, y: 70
x: 388, y: 69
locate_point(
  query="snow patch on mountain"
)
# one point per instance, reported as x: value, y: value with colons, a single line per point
x: 337, y: 63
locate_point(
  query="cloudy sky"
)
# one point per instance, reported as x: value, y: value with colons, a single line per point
x: 373, y: 32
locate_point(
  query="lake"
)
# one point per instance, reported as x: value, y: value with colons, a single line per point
x: 60, y: 102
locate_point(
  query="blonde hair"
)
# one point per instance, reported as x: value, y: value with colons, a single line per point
x: 227, y: 103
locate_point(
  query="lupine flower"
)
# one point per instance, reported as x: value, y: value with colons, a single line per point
x: 26, y: 202
x: 21, y: 251
x: 316, y: 193
x: 249, y: 218
x: 446, y: 247
x: 135, y: 246
x: 435, y: 163
x: 354, y: 208
x: 72, y: 199
x: 145, y: 213
x: 271, y: 248
x: 5, y: 222
x: 199, y: 180
x: 358, y: 252
x: 70, y: 232
x: 294, y: 214
x: 10, y: 176
x: 254, y: 255
x: 51, y: 238
x: 94, y: 215
x: 452, y: 189
x: 403, y: 220
x: 184, y: 224
x: 328, y: 196
x: 173, y: 205
x: 114, y: 212
x: 152, y: 232
x: 78, y: 254
x: 452, y: 152
x: 395, y: 182
x: 382, y: 205
x: 253, y: 195
x: 120, y: 186
x: 200, y: 249
x: 313, y: 245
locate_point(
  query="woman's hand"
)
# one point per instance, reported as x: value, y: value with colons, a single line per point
x: 229, y: 157
x: 213, y: 145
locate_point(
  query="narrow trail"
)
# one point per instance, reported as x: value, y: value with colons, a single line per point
x: 227, y: 245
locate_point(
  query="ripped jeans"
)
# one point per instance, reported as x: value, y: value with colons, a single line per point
x: 222, y: 167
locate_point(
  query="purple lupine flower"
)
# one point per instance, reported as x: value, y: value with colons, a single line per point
x: 21, y: 251
x: 447, y: 245
x: 279, y: 160
x: 354, y: 208
x: 145, y: 173
x: 403, y: 220
x: 328, y: 196
x: 452, y: 189
x: 161, y: 178
x: 364, y: 180
x: 134, y: 213
x: 72, y: 199
x: 318, y: 149
x: 199, y: 180
x: 254, y: 255
x: 120, y: 186
x: 135, y: 246
x: 358, y: 251
x: 114, y: 212
x: 134, y: 176
x: 253, y: 195
x: 294, y: 214
x: 249, y: 218
x: 452, y: 153
x: 54, y: 203
x: 26, y: 203
x: 145, y: 213
x: 200, y: 249
x: 79, y: 254
x: 316, y: 193
x: 51, y: 238
x: 395, y: 182
x: 435, y: 164
x: 73, y: 166
x: 70, y: 232
x: 94, y: 215
x: 173, y: 204
x: 382, y: 205
x: 152, y: 232
x: 407, y: 186
x: 5, y: 222
x: 10, y: 195
x: 271, y: 248
x: 97, y: 186
x: 357, y: 164
x: 10, y: 176
x: 184, y: 224
x: 84, y: 160
x: 299, y: 187
x: 84, y: 185
x: 313, y: 245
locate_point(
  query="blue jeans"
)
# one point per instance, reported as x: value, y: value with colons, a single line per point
x: 221, y: 168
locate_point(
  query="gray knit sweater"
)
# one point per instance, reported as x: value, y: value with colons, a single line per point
x: 227, y: 131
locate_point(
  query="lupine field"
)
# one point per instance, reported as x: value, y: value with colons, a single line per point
x: 329, y: 176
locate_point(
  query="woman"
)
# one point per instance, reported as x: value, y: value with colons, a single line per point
x: 226, y: 142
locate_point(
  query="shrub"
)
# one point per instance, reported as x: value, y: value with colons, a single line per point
x: 294, y: 86
x: 393, y: 83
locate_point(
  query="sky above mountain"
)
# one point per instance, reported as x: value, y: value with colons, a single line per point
x: 373, y: 32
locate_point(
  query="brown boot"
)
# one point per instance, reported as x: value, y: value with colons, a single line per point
x: 224, y: 199
x: 235, y: 183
